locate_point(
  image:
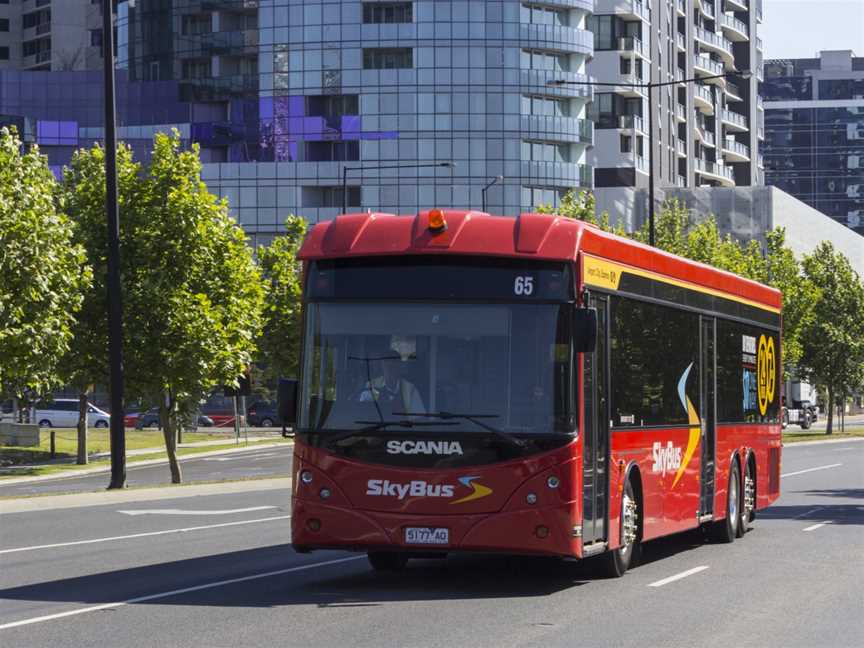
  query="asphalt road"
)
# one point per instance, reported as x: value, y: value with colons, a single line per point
x: 794, y: 580
x: 253, y: 463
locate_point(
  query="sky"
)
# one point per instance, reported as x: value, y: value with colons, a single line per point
x: 801, y: 28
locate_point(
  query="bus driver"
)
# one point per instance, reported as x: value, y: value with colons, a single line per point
x: 389, y: 386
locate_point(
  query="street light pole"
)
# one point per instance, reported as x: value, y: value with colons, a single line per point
x: 496, y: 179
x: 346, y: 169
x: 115, y: 306
x: 650, y: 165
x: 745, y: 74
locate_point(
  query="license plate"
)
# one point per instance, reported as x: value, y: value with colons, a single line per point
x: 427, y: 535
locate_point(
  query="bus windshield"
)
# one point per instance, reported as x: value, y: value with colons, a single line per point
x: 376, y: 365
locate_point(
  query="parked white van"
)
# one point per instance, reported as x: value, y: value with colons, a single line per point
x: 63, y: 412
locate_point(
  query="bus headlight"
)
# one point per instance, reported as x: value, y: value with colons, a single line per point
x: 306, y: 477
x: 531, y: 498
x: 553, y: 481
x: 324, y: 493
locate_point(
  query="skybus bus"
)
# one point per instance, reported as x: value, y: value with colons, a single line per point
x: 528, y: 385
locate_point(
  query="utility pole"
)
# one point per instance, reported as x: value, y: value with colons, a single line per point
x: 115, y: 306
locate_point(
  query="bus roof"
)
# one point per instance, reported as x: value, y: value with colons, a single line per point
x: 539, y: 236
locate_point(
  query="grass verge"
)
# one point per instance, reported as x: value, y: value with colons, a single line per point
x: 852, y: 431
x: 53, y: 468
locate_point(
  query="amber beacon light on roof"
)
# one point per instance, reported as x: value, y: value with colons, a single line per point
x: 437, y: 222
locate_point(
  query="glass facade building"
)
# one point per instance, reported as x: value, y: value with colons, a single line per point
x: 814, y: 133
x: 283, y: 95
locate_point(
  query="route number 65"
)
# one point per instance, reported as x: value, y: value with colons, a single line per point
x: 523, y: 286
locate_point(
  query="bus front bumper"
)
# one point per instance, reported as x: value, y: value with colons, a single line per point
x: 544, y: 531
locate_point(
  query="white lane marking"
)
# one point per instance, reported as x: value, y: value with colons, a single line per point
x: 185, y: 590
x: 816, y: 526
x: 801, y: 472
x: 170, y: 511
x: 684, y: 574
x: 145, y: 534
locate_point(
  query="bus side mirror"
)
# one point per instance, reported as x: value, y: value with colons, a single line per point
x: 585, y: 330
x: 286, y: 402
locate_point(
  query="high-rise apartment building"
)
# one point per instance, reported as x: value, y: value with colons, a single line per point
x: 814, y: 127
x: 285, y: 94
x: 705, y: 133
x: 45, y: 35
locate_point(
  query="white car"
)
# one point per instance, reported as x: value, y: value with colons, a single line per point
x: 63, y: 412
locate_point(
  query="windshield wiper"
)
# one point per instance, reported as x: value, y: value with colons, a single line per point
x: 473, y: 418
x: 375, y: 426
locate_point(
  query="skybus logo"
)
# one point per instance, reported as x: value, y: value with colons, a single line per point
x: 420, y: 488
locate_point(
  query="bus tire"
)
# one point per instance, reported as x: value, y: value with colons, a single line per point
x: 618, y: 561
x: 387, y: 560
x: 727, y: 530
x: 748, y: 498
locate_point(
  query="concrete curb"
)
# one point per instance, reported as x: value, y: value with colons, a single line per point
x: 138, y: 464
x: 79, y: 500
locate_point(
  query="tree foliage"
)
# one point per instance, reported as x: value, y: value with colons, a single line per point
x: 43, y: 273
x: 193, y: 294
x: 279, y: 345
x: 833, y: 337
x: 82, y: 192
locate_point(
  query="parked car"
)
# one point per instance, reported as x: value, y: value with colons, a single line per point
x: 262, y: 414
x: 63, y: 412
x: 150, y: 418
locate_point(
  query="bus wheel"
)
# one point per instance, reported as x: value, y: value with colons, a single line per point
x: 387, y: 560
x: 727, y: 530
x: 619, y: 560
x: 748, y: 500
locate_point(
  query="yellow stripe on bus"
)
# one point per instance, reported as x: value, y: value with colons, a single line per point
x: 601, y: 273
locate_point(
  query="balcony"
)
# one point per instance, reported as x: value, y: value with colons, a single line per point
x: 560, y: 37
x: 759, y: 44
x: 640, y: 163
x: 681, y: 5
x: 713, y: 41
x: 760, y: 132
x: 633, y: 10
x: 633, y: 45
x: 734, y: 121
x: 681, y: 148
x: 703, y: 99
x: 629, y: 85
x: 717, y: 172
x: 707, y: 8
x: 680, y: 181
x: 759, y: 10
x: 737, y: 5
x: 563, y: 129
x: 538, y: 80
x: 735, y: 30
x: 735, y: 151
x: 733, y: 92
x: 760, y: 102
x: 631, y: 122
x: 542, y: 172
x: 681, y: 41
x: 707, y: 66
x: 681, y: 112
x: 760, y: 161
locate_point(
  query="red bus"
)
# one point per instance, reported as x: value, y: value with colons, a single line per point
x: 528, y: 385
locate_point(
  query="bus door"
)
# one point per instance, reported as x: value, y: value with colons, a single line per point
x: 707, y: 414
x: 595, y: 436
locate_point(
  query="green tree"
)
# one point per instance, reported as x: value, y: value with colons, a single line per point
x: 832, y: 338
x: 43, y: 273
x: 279, y: 346
x: 581, y: 206
x: 82, y: 192
x: 193, y: 294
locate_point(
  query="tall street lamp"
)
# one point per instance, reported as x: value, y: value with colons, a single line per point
x: 421, y: 165
x: 115, y: 307
x: 494, y: 180
x: 650, y: 87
